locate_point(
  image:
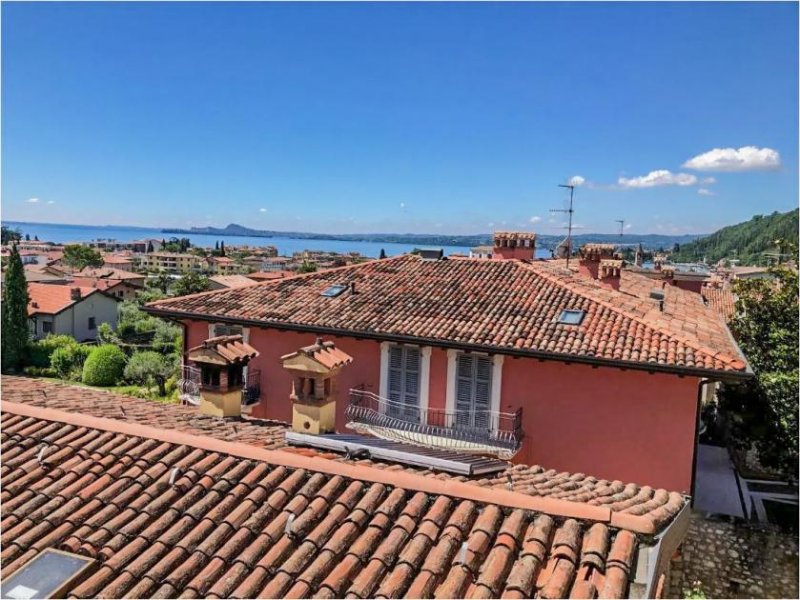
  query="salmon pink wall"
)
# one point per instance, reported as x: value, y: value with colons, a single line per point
x: 628, y: 425
x: 613, y: 424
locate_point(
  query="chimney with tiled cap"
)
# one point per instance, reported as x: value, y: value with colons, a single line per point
x: 75, y: 293
x: 221, y: 361
x: 514, y: 244
x: 314, y: 371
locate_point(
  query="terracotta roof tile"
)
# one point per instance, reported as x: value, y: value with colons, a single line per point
x: 324, y: 535
x: 658, y: 506
x: 48, y: 299
x: 503, y: 305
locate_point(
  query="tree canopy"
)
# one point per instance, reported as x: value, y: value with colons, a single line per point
x: 191, y: 283
x: 79, y: 257
x: 765, y: 409
x: 10, y: 235
x: 746, y: 242
x: 15, y: 332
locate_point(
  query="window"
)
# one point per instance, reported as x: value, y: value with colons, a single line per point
x: 223, y: 329
x: 334, y: 291
x: 571, y: 317
x: 404, y: 378
x: 47, y: 327
x: 48, y: 575
x: 92, y: 324
x: 473, y: 391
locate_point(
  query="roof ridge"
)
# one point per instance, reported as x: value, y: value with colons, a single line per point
x: 401, y: 479
x: 583, y: 284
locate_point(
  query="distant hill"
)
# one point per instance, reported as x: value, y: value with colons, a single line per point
x: 649, y: 241
x: 746, y: 241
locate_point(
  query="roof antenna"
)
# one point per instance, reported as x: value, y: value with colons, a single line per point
x: 621, y: 226
x: 569, y: 211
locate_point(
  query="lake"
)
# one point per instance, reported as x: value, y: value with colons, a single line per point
x: 64, y: 234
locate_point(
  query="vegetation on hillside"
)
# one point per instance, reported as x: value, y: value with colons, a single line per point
x: 763, y: 411
x: 746, y: 242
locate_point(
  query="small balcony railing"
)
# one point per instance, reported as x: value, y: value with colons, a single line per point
x: 251, y: 391
x: 480, y: 431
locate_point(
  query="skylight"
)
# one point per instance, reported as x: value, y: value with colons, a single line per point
x: 50, y: 574
x: 334, y: 291
x: 571, y: 316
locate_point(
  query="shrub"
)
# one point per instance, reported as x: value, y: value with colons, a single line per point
x: 42, y: 351
x: 150, y: 367
x: 67, y: 361
x: 104, y: 366
x: 39, y: 372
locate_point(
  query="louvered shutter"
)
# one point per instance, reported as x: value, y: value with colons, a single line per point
x: 473, y: 391
x: 464, y: 390
x: 395, y: 388
x: 411, y: 383
x: 483, y: 391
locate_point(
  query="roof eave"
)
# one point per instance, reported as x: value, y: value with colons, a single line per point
x: 713, y: 374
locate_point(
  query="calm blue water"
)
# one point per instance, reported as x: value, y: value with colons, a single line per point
x: 64, y: 234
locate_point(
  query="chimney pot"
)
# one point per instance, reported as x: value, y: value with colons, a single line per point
x: 75, y: 293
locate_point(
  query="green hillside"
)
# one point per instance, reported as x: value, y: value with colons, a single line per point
x: 746, y: 241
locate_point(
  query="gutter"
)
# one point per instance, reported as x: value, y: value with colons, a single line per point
x: 406, y: 339
x: 651, y: 560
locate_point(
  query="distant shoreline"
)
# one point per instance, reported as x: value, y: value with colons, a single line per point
x: 544, y: 241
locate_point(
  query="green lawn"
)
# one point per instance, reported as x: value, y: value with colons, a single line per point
x: 137, y: 391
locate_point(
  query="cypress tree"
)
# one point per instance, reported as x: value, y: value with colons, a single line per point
x: 222, y: 248
x: 15, y: 332
x: 383, y: 254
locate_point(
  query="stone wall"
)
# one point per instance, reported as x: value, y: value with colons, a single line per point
x: 735, y: 560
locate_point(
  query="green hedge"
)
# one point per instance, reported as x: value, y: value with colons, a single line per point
x: 41, y: 352
x: 67, y: 361
x: 104, y: 366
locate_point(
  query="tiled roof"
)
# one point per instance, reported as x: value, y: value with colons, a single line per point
x: 108, y: 273
x: 656, y: 507
x: 721, y: 299
x: 100, y: 284
x: 172, y: 515
x: 325, y: 353
x: 231, y: 348
x: 231, y: 281
x: 49, y: 298
x: 497, y: 305
x: 268, y: 275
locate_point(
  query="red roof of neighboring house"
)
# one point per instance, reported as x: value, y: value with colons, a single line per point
x: 502, y: 305
x: 231, y: 281
x: 721, y: 299
x: 116, y: 259
x: 654, y: 508
x: 168, y: 514
x: 268, y: 275
x: 99, y: 284
x: 50, y: 299
x: 108, y: 273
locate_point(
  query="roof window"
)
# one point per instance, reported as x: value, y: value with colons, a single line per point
x: 571, y: 317
x: 50, y: 574
x: 334, y: 291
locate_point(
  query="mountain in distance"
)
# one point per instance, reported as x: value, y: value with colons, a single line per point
x: 746, y: 241
x: 649, y: 241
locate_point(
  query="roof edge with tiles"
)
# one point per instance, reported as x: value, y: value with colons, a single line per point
x: 509, y: 499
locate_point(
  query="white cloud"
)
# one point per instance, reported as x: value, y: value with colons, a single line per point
x: 32, y: 201
x: 657, y: 178
x: 576, y: 180
x: 628, y: 225
x: 51, y: 201
x: 705, y: 192
x: 708, y: 181
x: 746, y: 158
x: 402, y: 205
x: 262, y: 210
x: 535, y: 219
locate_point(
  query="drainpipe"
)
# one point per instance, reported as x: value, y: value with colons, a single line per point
x: 700, y: 388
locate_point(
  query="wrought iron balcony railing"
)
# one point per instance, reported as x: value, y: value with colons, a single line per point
x: 481, y: 431
x: 251, y: 391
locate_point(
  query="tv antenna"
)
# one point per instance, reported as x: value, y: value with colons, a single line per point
x: 569, y: 212
x: 621, y: 226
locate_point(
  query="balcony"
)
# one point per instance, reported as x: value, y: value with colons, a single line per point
x: 483, y: 432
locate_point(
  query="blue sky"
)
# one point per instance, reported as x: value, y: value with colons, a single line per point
x: 456, y: 118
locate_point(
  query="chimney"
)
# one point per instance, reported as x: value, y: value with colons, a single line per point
x: 610, y: 271
x: 75, y: 293
x: 590, y: 257
x: 314, y: 370
x: 668, y: 275
x: 514, y: 244
x: 221, y: 361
